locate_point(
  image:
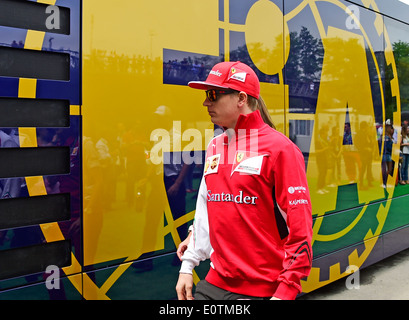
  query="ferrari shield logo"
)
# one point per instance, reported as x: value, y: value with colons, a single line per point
x: 239, y: 156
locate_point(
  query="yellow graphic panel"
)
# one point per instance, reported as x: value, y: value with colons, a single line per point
x: 345, y: 107
x: 123, y: 103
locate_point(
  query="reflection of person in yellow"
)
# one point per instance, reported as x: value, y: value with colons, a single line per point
x: 366, y: 153
x: 133, y: 150
x: 165, y: 182
x: 334, y: 159
x: 93, y: 209
x: 322, y: 155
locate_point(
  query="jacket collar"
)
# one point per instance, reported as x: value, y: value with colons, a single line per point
x: 249, y: 121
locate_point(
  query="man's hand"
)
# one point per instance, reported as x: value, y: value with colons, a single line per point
x: 184, y: 286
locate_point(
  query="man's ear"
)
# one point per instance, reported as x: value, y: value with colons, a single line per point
x: 242, y: 99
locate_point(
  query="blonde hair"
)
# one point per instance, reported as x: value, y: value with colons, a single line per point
x: 259, y: 104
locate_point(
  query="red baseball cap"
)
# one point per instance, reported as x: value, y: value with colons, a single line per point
x: 231, y: 75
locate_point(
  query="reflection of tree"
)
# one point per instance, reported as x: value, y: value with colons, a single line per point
x: 311, y: 55
x: 303, y: 70
x: 306, y: 56
x: 401, y: 54
x: 292, y: 67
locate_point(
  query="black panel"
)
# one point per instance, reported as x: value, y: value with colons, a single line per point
x: 34, y: 259
x: 25, y: 162
x: 34, y: 113
x: 31, y: 15
x: 35, y: 64
x: 21, y: 212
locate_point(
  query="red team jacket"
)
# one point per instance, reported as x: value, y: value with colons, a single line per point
x: 253, y: 214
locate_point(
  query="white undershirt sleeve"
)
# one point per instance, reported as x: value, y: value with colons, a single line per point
x: 199, y: 248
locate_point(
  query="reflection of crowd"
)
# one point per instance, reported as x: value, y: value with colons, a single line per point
x: 185, y: 69
x: 389, y: 138
x: 357, y: 153
x: 122, y: 175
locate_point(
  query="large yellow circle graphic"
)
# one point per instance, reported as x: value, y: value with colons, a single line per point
x: 268, y: 46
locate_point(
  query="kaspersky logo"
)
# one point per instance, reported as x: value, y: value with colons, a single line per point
x: 320, y: 64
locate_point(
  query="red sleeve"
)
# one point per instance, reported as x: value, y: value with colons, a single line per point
x: 293, y: 199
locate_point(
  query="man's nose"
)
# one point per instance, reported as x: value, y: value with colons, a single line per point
x: 206, y: 102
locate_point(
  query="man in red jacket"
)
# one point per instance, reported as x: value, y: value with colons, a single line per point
x: 253, y: 213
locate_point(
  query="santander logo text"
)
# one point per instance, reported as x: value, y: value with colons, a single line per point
x: 228, y: 197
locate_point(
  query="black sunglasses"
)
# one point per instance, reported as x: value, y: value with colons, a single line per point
x: 214, y: 94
